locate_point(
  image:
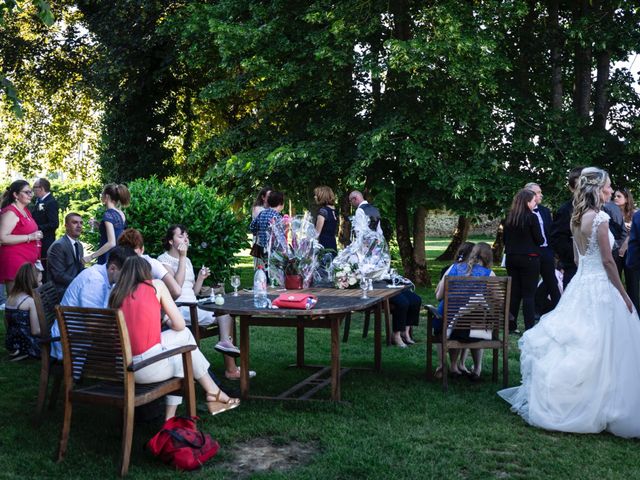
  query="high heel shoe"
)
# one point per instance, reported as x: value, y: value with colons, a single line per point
x: 217, y: 406
x: 407, y: 339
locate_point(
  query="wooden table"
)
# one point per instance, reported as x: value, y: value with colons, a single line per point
x: 328, y: 313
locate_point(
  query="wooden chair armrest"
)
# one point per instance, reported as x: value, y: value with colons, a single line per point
x: 186, y: 304
x: 160, y: 356
x: 47, y: 339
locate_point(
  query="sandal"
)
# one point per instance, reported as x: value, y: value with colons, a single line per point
x: 408, y: 340
x: 217, y: 406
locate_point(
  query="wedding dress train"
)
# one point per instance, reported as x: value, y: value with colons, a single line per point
x: 580, y: 364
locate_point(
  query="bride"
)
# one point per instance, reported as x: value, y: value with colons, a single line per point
x: 581, y: 363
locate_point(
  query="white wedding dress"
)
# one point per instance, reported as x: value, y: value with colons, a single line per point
x: 580, y: 364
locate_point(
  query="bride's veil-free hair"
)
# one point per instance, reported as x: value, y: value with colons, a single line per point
x: 587, y: 194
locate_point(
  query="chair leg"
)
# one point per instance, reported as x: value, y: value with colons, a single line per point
x: 365, y: 327
x: 42, y: 390
x: 55, y: 391
x: 66, y: 426
x: 347, y: 325
x: 429, y: 352
x: 505, y: 368
x: 387, y: 321
x: 127, y: 437
x: 445, y: 372
x: 495, y: 365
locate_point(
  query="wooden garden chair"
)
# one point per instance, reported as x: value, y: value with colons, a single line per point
x: 199, y: 332
x: 98, y: 370
x: 367, y: 320
x: 45, y: 298
x: 472, y: 306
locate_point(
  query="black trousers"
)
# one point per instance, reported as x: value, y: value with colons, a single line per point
x: 631, y: 278
x: 524, y: 271
x: 568, y: 272
x: 548, y: 274
x: 406, y: 310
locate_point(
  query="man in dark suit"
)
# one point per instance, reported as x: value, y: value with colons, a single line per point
x: 560, y: 236
x: 45, y: 213
x: 633, y: 258
x: 547, y: 255
x: 65, y: 255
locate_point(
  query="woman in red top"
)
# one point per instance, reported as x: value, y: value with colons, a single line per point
x: 19, y: 234
x: 140, y: 299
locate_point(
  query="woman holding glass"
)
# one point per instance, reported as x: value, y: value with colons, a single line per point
x: 175, y: 260
x: 19, y: 234
x: 114, y: 197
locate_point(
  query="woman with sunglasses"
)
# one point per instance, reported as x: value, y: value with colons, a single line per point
x: 19, y: 234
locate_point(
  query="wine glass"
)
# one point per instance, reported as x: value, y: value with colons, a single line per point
x: 364, y: 285
x: 235, y: 283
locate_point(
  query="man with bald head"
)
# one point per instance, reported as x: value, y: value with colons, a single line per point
x: 365, y: 211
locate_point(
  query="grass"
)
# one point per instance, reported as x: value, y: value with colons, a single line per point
x: 391, y: 425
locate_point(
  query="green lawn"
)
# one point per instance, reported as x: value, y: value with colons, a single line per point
x: 391, y: 425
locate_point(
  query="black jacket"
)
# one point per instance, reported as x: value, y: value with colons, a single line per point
x: 523, y: 240
x: 46, y: 216
x: 62, y: 264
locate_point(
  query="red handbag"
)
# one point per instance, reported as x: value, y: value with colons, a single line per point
x: 180, y: 444
x: 296, y: 301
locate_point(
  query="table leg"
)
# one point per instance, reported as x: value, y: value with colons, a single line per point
x: 377, y: 347
x: 335, y: 358
x: 244, y: 357
x: 300, y: 344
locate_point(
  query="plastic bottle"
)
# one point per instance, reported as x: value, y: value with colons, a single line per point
x: 260, y: 299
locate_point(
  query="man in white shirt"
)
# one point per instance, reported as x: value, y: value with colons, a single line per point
x: 365, y: 211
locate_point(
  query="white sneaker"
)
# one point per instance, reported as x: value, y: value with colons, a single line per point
x: 1, y: 307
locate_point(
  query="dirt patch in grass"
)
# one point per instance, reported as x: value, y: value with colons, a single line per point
x: 268, y: 455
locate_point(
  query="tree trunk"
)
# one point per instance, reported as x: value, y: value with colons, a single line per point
x: 498, y: 245
x: 555, y: 41
x: 344, y: 233
x: 421, y: 274
x: 601, y: 108
x: 414, y: 262
x: 460, y: 235
x: 582, y: 89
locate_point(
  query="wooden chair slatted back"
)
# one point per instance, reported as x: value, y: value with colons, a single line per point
x: 45, y: 299
x: 96, y: 341
x: 476, y: 302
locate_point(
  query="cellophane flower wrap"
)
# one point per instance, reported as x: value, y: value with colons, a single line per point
x: 293, y: 249
x: 366, y: 257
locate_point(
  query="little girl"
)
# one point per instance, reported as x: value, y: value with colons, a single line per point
x: 21, y: 317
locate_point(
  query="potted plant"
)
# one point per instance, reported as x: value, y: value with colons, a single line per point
x: 292, y: 267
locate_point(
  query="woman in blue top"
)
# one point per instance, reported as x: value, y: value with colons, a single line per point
x: 21, y: 317
x: 114, y: 198
x: 479, y: 265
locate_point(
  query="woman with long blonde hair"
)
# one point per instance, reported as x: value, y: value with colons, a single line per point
x: 581, y: 363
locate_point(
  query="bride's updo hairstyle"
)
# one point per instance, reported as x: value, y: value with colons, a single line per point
x: 587, y: 194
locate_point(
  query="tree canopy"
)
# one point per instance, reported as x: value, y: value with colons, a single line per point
x: 419, y: 104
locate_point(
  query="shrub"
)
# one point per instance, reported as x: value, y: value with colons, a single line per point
x: 215, y: 232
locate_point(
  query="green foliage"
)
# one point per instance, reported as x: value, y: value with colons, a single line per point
x: 215, y: 233
x: 81, y: 197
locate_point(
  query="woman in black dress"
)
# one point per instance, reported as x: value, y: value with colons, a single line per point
x: 327, y: 221
x: 522, y: 240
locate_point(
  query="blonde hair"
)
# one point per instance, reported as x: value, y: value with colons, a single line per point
x: 481, y: 254
x: 324, y: 195
x: 587, y: 195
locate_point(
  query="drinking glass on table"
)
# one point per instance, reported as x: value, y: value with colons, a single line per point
x: 235, y: 283
x: 364, y: 285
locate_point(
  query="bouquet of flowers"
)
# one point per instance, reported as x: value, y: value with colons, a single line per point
x: 346, y: 274
x: 366, y: 257
x: 293, y: 249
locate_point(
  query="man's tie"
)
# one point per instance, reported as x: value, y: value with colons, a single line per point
x: 76, y: 247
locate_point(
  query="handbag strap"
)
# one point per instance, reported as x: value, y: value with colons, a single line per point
x: 176, y: 436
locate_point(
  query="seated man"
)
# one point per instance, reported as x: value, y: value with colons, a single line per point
x: 91, y: 289
x: 64, y: 258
